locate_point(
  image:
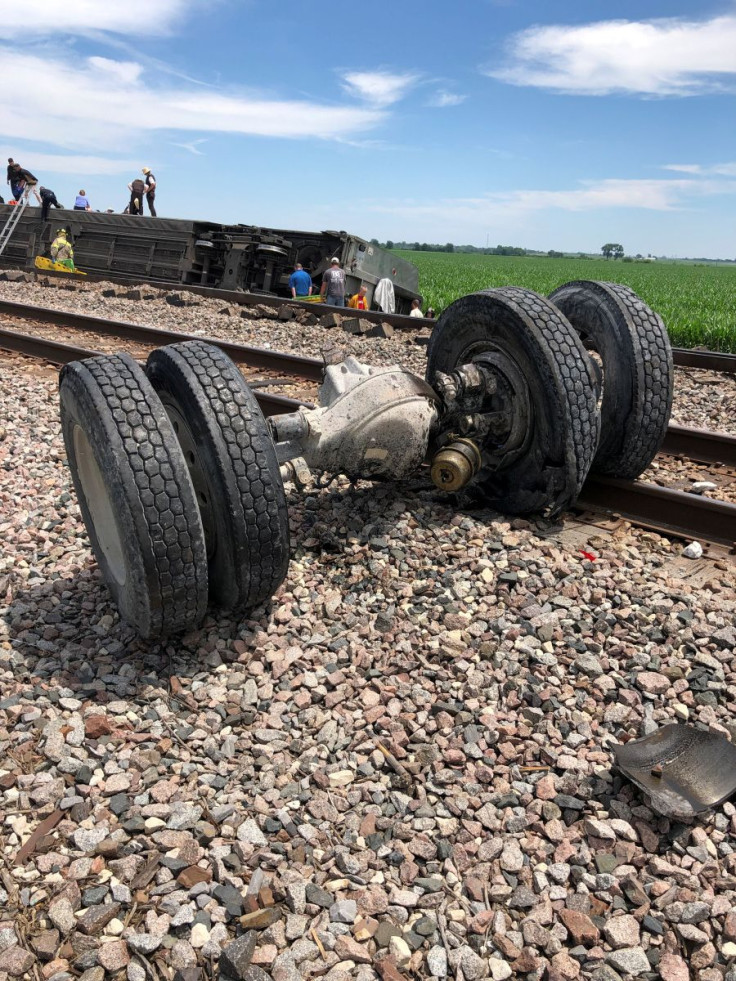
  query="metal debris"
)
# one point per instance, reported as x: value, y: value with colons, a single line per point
x: 683, y: 769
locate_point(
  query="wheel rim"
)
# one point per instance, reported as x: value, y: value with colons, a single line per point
x: 100, y: 506
x: 518, y: 331
x: 514, y: 397
x: 514, y: 393
x: 197, y: 472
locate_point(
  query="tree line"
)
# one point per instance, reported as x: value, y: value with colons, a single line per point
x: 611, y: 250
x: 449, y: 247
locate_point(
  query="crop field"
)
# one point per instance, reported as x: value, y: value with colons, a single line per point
x: 696, y: 302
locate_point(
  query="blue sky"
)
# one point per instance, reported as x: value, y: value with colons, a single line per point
x: 520, y: 122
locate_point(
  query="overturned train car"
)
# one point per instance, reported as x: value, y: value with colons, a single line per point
x: 201, y: 253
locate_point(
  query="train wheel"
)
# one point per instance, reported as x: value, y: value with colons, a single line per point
x: 234, y: 469
x: 538, y: 432
x: 630, y: 343
x: 135, y: 494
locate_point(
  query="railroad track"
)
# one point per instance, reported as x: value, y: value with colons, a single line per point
x: 671, y: 512
x: 291, y: 371
x: 683, y: 357
x: 698, y: 445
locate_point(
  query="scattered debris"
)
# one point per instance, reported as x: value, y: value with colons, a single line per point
x: 700, y: 486
x: 182, y: 299
x: 693, y: 551
x: 47, y: 825
x: 683, y: 769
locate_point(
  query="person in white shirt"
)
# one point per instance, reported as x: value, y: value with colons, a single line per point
x: 416, y: 310
x: 150, y: 182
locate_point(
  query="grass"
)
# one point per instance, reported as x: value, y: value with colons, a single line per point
x: 697, y: 302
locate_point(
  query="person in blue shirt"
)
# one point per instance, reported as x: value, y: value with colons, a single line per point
x: 82, y: 202
x: 300, y: 282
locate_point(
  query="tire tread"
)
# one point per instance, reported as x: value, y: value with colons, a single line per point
x: 156, y: 485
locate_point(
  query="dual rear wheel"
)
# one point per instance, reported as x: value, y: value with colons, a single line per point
x: 178, y: 483
x: 586, y: 375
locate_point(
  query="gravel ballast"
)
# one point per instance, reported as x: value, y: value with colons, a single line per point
x: 400, y: 767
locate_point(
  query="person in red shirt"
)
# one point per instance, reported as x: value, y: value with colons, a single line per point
x: 359, y: 300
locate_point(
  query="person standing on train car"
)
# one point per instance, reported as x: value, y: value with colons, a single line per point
x: 48, y: 201
x: 150, y: 185
x: 15, y: 178
x: 136, y: 188
x: 21, y: 180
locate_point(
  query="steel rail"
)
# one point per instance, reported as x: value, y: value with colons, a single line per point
x: 671, y: 512
x: 683, y: 357
x: 700, y: 445
x: 668, y: 511
x: 696, y: 444
x: 59, y: 353
x: 42, y: 348
x: 309, y: 369
x: 708, y: 360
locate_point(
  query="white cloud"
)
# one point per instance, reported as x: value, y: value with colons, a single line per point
x: 637, y: 195
x: 58, y: 163
x: 192, y: 147
x: 120, y: 72
x: 442, y: 99
x: 380, y: 88
x: 714, y: 170
x: 109, y: 105
x: 657, y: 57
x: 43, y: 18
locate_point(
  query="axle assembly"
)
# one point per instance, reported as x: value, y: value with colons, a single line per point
x: 180, y: 478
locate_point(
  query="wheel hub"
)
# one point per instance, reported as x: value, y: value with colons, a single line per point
x: 487, y: 401
x: 455, y: 465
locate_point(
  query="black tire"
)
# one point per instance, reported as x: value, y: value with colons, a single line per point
x: 135, y: 494
x: 561, y: 419
x: 637, y: 373
x: 233, y: 465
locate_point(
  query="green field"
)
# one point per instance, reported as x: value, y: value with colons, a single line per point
x: 696, y: 301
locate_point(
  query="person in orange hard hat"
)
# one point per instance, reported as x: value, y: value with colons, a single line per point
x: 150, y: 182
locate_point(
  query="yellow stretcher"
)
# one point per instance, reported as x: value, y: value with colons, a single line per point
x: 43, y: 263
